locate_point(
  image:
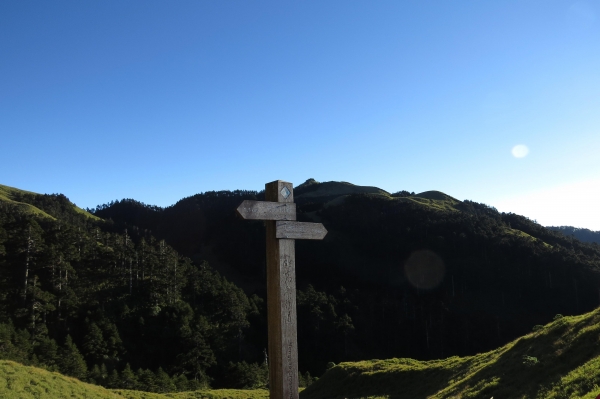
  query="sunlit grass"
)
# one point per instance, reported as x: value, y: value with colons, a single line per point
x: 561, y: 360
x: 23, y: 382
x: 7, y: 194
x: 447, y: 205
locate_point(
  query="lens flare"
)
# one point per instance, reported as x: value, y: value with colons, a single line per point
x: 520, y: 151
x: 424, y: 269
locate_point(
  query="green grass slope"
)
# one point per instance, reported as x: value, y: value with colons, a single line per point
x: 558, y: 361
x: 436, y: 195
x: 8, y: 193
x: 335, y: 193
x: 447, y: 205
x: 23, y: 382
x: 12, y: 196
x: 313, y: 189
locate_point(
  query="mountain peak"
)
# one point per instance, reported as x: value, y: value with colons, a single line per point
x: 435, y: 195
x: 307, y: 183
x: 311, y: 188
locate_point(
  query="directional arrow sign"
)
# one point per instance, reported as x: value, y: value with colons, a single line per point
x: 299, y: 230
x: 279, y: 213
x: 266, y: 210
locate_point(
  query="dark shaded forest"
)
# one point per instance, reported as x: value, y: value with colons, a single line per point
x: 118, y: 307
x: 179, y: 292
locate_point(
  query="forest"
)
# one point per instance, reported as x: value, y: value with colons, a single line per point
x: 166, y: 299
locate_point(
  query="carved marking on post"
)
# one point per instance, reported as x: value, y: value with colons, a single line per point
x: 290, y: 368
x: 287, y: 270
x: 279, y: 211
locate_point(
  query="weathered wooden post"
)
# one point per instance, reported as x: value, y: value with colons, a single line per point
x: 279, y: 212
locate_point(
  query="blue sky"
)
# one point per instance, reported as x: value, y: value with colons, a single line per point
x: 157, y: 100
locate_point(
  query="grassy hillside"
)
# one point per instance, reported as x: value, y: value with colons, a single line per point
x: 7, y: 195
x: 24, y: 382
x: 436, y: 204
x: 436, y: 195
x: 310, y: 190
x: 559, y: 360
x: 38, y: 204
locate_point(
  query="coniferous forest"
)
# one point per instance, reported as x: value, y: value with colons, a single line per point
x: 166, y: 299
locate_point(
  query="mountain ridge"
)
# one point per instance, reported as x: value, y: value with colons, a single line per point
x: 491, y: 276
x: 499, y: 269
x: 582, y: 234
x: 37, y: 204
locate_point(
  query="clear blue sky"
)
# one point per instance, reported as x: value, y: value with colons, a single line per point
x: 158, y: 100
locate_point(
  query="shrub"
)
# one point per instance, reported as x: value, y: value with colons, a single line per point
x: 530, y: 361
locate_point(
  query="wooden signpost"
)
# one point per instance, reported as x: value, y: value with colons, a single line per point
x: 279, y: 212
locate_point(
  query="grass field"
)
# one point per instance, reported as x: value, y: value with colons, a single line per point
x: 24, y: 382
x: 559, y: 361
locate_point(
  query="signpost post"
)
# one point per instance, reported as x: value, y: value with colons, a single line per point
x: 279, y: 212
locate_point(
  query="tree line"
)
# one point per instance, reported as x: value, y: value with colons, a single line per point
x: 502, y: 273
x: 95, y: 302
x: 142, y: 278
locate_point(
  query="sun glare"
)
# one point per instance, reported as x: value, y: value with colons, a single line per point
x: 573, y: 204
x: 520, y: 151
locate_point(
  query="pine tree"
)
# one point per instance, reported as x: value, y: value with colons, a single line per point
x: 181, y: 382
x: 113, y: 379
x: 71, y: 361
x: 16, y: 344
x: 128, y: 378
x: 164, y: 382
x: 47, y: 352
x: 94, y: 347
x: 95, y: 375
x: 146, y: 380
x: 197, y: 358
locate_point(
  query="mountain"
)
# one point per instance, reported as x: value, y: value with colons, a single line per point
x: 398, y: 275
x: 558, y: 360
x: 85, y: 297
x: 584, y: 235
x: 311, y: 191
x: 178, y: 293
x: 51, y: 206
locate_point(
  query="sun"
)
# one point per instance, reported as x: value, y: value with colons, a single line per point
x: 520, y: 151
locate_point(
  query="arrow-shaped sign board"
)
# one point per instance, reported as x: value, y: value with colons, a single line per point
x: 266, y: 210
x: 299, y: 230
x: 279, y: 213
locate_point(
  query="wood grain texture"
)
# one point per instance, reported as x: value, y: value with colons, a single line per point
x: 265, y: 210
x: 273, y: 191
x: 299, y: 230
x: 281, y: 304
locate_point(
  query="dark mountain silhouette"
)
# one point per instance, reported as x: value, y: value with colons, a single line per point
x: 403, y: 274
x: 584, y: 235
x: 398, y: 275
